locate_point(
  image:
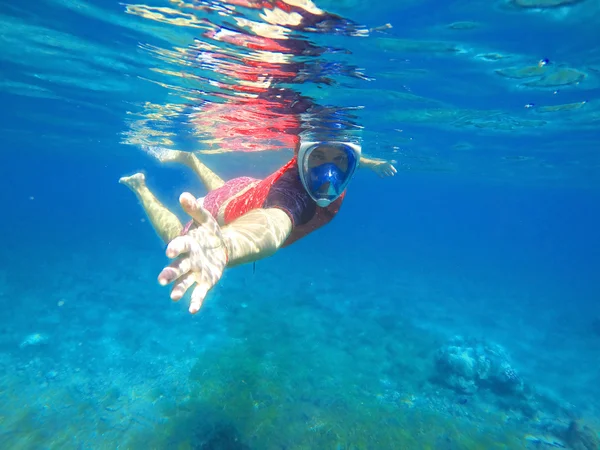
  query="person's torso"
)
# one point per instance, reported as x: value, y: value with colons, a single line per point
x: 283, y: 189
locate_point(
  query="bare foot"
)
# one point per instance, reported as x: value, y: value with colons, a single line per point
x: 134, y: 182
x: 165, y: 155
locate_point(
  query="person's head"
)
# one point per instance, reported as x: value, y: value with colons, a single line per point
x: 326, y: 168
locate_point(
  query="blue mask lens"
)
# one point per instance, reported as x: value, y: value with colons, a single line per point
x: 327, y: 173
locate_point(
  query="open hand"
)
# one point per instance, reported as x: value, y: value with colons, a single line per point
x: 384, y: 168
x: 202, y: 255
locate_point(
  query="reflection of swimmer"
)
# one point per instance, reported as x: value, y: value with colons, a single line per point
x: 300, y: 15
x: 246, y: 219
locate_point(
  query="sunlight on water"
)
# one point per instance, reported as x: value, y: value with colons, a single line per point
x: 191, y: 67
x: 235, y: 82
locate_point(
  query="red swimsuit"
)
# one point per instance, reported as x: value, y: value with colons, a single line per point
x: 283, y: 189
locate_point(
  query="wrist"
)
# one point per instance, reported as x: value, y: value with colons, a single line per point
x: 367, y: 162
x: 227, y: 245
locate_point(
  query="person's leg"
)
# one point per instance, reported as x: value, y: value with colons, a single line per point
x: 165, y: 223
x: 210, y: 180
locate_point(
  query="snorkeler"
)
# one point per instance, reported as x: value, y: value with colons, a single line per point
x: 246, y: 219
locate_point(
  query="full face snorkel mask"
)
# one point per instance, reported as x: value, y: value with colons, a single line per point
x: 326, y: 168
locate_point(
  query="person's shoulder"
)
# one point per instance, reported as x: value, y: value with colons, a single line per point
x: 292, y: 163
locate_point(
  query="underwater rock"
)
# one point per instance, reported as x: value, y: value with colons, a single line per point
x: 581, y: 437
x: 526, y: 4
x: 219, y: 436
x: 34, y: 340
x: 467, y: 366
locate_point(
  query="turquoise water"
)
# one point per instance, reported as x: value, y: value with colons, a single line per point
x: 453, y: 306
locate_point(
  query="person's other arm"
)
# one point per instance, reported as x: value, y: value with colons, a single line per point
x: 381, y: 167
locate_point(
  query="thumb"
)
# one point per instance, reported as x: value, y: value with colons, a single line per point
x: 193, y: 207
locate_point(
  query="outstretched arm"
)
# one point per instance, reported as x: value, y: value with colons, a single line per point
x: 381, y: 167
x: 205, y: 249
x: 256, y: 235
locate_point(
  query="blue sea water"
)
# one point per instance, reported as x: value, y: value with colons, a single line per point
x: 452, y: 306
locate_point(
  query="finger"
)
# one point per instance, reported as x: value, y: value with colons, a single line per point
x: 193, y: 207
x: 179, y: 245
x: 198, y: 295
x: 181, y: 286
x: 174, y: 271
